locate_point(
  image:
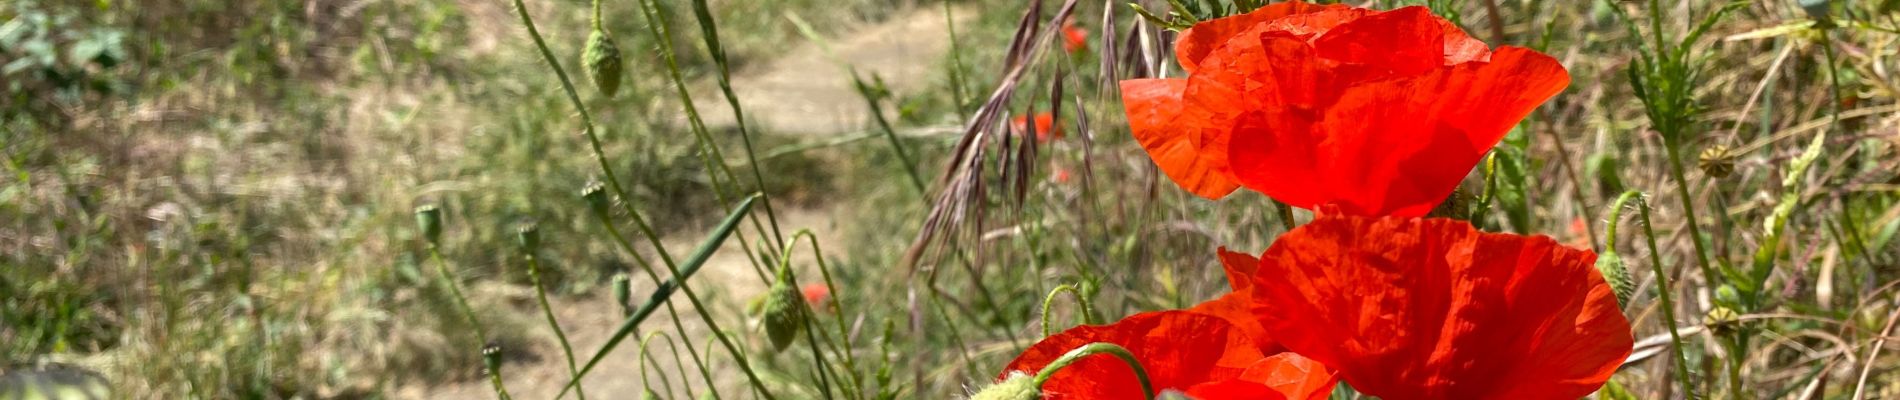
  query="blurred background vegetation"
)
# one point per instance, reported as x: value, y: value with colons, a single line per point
x: 212, y: 199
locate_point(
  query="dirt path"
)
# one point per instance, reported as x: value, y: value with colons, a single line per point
x: 809, y: 92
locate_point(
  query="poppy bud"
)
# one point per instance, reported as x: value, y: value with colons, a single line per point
x: 650, y: 395
x: 528, y: 237
x: 602, y: 59
x: 1727, y: 296
x: 1019, y: 386
x: 784, y: 311
x: 596, y: 196
x: 1611, y: 266
x: 623, y: 293
x: 491, y: 359
x: 1716, y: 161
x: 429, y: 219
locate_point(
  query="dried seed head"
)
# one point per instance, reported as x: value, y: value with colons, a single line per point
x: 1716, y: 161
x: 596, y: 196
x: 784, y: 311
x: 1018, y: 386
x: 528, y: 237
x: 602, y: 59
x: 429, y: 219
x: 1722, y: 320
x: 1611, y: 266
x: 491, y: 359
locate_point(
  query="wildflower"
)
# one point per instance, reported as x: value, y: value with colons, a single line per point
x: 1204, y: 356
x: 1074, y: 39
x: 1046, y: 127
x: 1407, y: 308
x: 816, y: 294
x: 1382, y: 113
x: 1060, y: 175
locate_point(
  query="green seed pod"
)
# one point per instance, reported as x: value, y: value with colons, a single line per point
x: 1019, y: 386
x: 491, y: 359
x: 529, y: 238
x: 596, y: 196
x: 784, y: 311
x: 1716, y: 161
x: 623, y: 293
x: 602, y: 59
x: 1611, y: 266
x: 429, y: 219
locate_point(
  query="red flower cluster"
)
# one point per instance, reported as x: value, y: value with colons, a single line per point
x: 1370, y: 118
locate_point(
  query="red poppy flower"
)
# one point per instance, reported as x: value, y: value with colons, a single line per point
x: 1046, y: 127
x: 816, y: 294
x: 1201, y: 355
x: 1381, y: 113
x: 1074, y: 39
x: 1408, y: 308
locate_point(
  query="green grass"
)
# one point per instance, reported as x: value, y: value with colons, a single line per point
x: 239, y: 187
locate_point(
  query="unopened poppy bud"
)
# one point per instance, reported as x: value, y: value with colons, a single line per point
x: 596, y: 196
x: 623, y: 292
x: 603, y: 61
x: 491, y: 359
x: 429, y: 219
x: 650, y: 395
x: 784, y: 311
x: 1611, y: 266
x: 1716, y: 161
x: 528, y: 237
x: 1727, y: 296
x: 1019, y: 386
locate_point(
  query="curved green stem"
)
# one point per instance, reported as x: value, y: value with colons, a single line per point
x: 836, y: 306
x: 647, y: 359
x: 1090, y: 349
x: 1082, y: 314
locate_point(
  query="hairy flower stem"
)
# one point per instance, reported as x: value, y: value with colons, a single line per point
x: 1662, y: 288
x: 541, y: 295
x: 1147, y: 389
x: 709, y: 153
x: 710, y: 32
x: 1082, y: 313
x: 606, y: 222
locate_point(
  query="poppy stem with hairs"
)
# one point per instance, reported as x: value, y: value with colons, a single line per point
x: 1082, y: 313
x: 1148, y: 389
x: 1662, y: 284
x: 836, y: 307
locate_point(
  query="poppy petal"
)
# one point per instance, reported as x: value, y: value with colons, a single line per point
x: 1434, y: 309
x: 1177, y: 349
x: 1154, y: 114
x: 1388, y: 146
x: 1196, y: 42
x: 1237, y: 305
